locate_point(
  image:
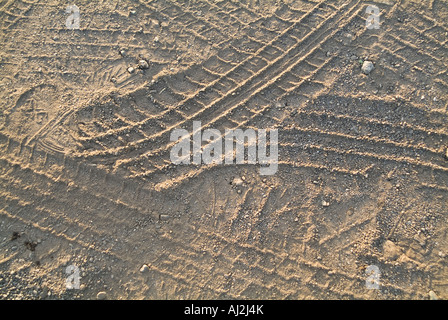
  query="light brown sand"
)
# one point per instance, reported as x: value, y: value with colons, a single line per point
x: 84, y: 150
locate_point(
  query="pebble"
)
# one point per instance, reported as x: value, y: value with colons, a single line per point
x: 44, y: 293
x: 367, y: 67
x: 143, y: 64
x: 131, y: 69
x: 325, y: 203
x: 164, y: 217
x: 156, y: 39
x: 237, y: 182
x: 144, y: 268
x: 433, y: 295
x: 101, y: 295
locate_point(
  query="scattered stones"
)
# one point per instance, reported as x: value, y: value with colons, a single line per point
x: 367, y: 67
x: 144, y: 268
x: 433, y: 295
x: 101, y: 295
x: 390, y: 250
x: 143, y: 64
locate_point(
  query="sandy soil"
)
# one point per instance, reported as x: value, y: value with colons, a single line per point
x: 86, y: 177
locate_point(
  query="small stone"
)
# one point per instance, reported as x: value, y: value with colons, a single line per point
x: 156, y: 39
x: 143, y: 64
x: 325, y: 203
x: 390, y: 250
x: 131, y: 69
x: 101, y: 295
x: 238, y: 191
x: 123, y: 53
x: 433, y: 295
x: 44, y: 293
x: 144, y: 268
x: 164, y: 217
x: 237, y: 182
x: 367, y: 67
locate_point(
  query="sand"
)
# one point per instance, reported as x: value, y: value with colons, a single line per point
x: 87, y: 182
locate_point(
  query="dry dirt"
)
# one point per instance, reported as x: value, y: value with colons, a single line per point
x: 86, y: 178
